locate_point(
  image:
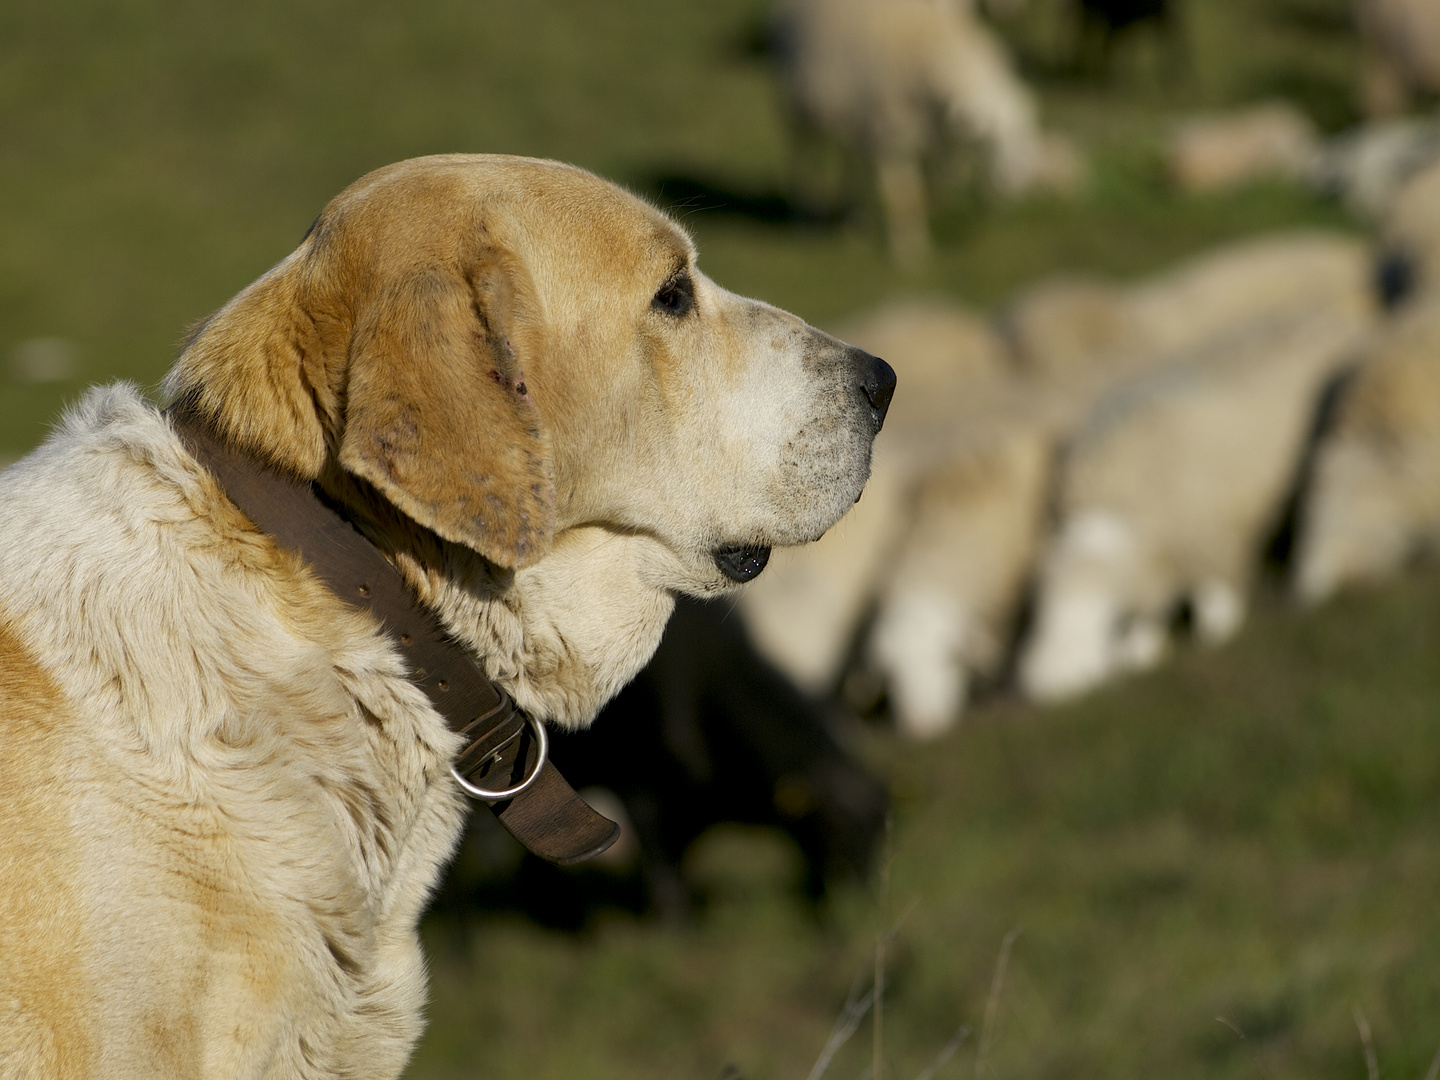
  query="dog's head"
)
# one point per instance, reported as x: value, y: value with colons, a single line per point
x: 515, y: 354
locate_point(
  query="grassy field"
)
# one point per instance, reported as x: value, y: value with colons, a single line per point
x: 1251, y: 834
x: 157, y: 155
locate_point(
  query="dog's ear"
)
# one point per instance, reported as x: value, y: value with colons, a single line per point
x: 437, y: 413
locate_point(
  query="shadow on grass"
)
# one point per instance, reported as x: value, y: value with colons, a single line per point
x: 1329, y: 101
x: 686, y: 194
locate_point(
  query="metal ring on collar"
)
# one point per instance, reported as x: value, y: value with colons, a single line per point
x: 542, y: 752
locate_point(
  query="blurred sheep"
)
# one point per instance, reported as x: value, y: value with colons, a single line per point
x: 891, y: 78
x: 805, y: 610
x: 1273, y: 140
x: 1374, y: 497
x: 1086, y: 329
x: 943, y: 543
x: 1070, y: 326
x: 947, y: 607
x: 1367, y: 165
x: 1400, y: 46
x: 1410, y: 235
x: 1165, y: 496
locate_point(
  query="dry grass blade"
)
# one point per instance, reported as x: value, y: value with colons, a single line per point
x: 992, y: 1004
x: 1372, y: 1065
x: 877, y: 1045
x: 1249, y: 1049
x: 845, y: 1025
x: 1434, y: 1066
x: 848, y: 1022
x: 946, y: 1053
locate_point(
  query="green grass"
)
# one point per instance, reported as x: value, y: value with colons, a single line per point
x: 157, y: 155
x: 1252, y: 833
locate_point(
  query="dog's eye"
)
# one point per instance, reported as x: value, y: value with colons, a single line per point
x: 676, y: 297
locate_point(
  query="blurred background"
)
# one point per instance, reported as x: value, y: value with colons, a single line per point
x: 1149, y: 514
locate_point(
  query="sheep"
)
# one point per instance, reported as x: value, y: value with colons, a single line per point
x: 1080, y: 329
x: 1400, y: 53
x: 1069, y: 324
x: 804, y: 611
x: 944, y: 541
x: 1365, y: 166
x: 1216, y: 151
x: 1164, y: 497
x: 886, y: 77
x: 1255, y: 278
x: 1410, y: 234
x: 1373, y: 501
x: 947, y: 608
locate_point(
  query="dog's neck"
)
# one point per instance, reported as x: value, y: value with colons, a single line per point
x: 430, y: 565
x: 537, y: 806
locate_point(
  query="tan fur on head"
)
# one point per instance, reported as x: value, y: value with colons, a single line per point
x: 403, y: 355
x: 439, y: 418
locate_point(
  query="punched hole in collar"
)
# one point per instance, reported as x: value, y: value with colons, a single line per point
x: 364, y: 590
x: 404, y: 639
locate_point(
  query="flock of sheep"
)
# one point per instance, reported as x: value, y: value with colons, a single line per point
x: 1056, y: 485
x: 1060, y: 487
x: 893, y: 81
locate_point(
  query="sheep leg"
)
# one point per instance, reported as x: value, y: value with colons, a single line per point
x: 901, y: 186
x: 1383, y: 92
x: 919, y: 644
x: 1219, y: 611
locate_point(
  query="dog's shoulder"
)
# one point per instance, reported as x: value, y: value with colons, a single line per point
x: 234, y: 757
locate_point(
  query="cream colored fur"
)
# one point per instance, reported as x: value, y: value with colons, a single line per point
x: 1216, y: 151
x: 877, y: 74
x: 1165, y: 496
x: 1093, y: 330
x: 1410, y: 229
x: 222, y: 803
x: 948, y: 602
x: 1374, y: 498
x: 1400, y: 53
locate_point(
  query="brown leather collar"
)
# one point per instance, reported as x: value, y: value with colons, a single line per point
x: 502, y: 749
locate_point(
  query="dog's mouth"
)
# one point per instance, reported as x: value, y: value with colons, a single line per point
x: 741, y: 564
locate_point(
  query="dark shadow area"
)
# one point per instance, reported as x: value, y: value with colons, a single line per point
x: 1321, y: 18
x: 1091, y: 38
x: 685, y: 195
x: 1279, y: 548
x: 1330, y: 102
x: 757, y: 39
x: 708, y: 733
x: 1394, y: 277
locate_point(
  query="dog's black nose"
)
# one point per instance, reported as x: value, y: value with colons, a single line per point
x: 877, y: 381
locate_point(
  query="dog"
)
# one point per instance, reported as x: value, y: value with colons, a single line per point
x: 224, y: 798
